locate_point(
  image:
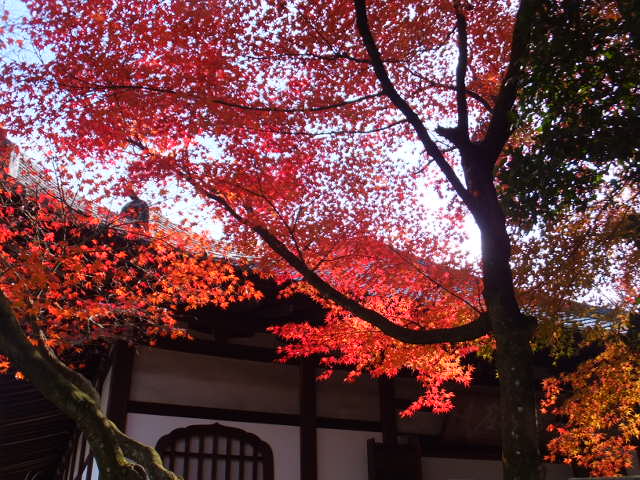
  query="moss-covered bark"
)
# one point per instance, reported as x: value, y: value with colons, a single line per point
x: 118, y: 456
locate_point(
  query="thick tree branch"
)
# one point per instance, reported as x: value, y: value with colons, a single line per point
x: 461, y: 72
x: 72, y: 398
x: 145, y: 456
x: 467, y: 332
x: 390, y: 91
x: 499, y: 128
x: 74, y: 377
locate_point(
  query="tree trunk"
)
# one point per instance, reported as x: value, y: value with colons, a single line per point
x: 514, y: 363
x: 520, y: 451
x: 76, y: 398
x: 513, y: 332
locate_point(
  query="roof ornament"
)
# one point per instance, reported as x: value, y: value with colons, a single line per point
x: 136, y: 212
x: 9, y: 158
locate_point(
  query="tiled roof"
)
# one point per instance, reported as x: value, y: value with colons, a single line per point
x: 38, y: 180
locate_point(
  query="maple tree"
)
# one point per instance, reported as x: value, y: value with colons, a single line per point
x: 576, y: 231
x: 318, y: 128
x: 594, y: 255
x: 71, y: 279
x: 598, y: 403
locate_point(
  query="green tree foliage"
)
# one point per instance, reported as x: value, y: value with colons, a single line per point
x: 580, y: 109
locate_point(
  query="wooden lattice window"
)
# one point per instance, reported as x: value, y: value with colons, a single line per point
x: 216, y: 452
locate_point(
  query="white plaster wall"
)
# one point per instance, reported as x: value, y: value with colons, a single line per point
x: 95, y: 473
x: 284, y: 440
x: 15, y: 163
x: 79, y: 461
x: 179, y: 378
x: 466, y: 469
x: 106, y: 390
x: 342, y: 454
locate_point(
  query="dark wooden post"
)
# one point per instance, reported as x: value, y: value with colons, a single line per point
x: 121, y: 371
x: 389, y: 460
x: 308, y: 423
x: 387, y: 411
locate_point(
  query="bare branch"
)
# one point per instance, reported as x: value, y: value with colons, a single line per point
x: 438, y: 284
x: 240, y: 106
x: 319, y: 108
x: 324, y: 57
x: 476, y: 96
x: 329, y: 132
x: 412, y: 117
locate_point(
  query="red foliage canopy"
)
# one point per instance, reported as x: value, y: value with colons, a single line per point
x: 270, y: 112
x: 76, y: 278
